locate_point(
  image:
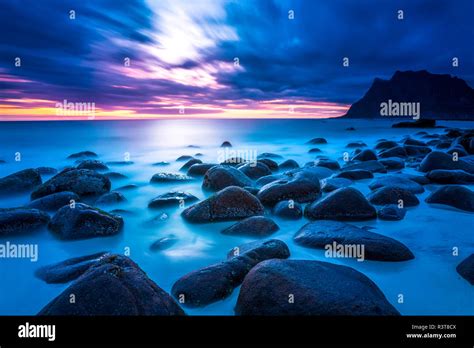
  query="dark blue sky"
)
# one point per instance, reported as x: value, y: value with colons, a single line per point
x: 182, y: 53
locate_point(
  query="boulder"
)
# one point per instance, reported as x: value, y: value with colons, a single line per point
x: 440, y: 160
x: 288, y: 164
x: 184, y: 158
x: 231, y: 203
x: 298, y: 188
x: 288, y: 209
x: 455, y: 177
x: 396, y: 181
x: 164, y: 243
x: 83, y: 221
x: 113, y: 286
x: 386, y: 144
x: 466, y: 269
x: 220, y: 177
x: 199, y: 169
x: 54, y: 201
x: 83, y: 182
x: 397, y: 151
x: 314, y: 150
x: 16, y: 221
x: 172, y: 199
x: 415, y: 142
x: 92, y: 165
x: 254, y: 226
x: 356, y: 144
x: 271, y: 164
x: 393, y: 195
x: 68, y: 270
x: 318, y: 288
x: 345, y: 203
x: 371, y: 166
x: 356, y: 174
x: 391, y: 212
x: 316, y: 141
x: 332, y: 184
x: 47, y: 170
x: 169, y: 177
x: 393, y: 163
x: 226, y: 144
x: 83, y: 154
x: 24, y: 180
x: 189, y: 163
x: 112, y: 197
x: 416, y: 151
x: 327, y: 163
x: 270, y: 178
x: 254, y: 170
x: 365, y: 155
x: 269, y: 155
x: 453, y: 195
x: 321, y: 234
x: 115, y: 176
x: 216, y: 282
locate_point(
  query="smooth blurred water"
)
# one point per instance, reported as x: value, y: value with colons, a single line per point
x: 430, y: 284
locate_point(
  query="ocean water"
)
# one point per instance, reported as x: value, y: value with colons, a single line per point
x: 429, y: 284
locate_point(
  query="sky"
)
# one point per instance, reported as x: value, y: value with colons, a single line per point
x: 108, y: 59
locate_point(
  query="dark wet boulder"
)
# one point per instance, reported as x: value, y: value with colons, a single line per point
x: 189, y: 163
x: 92, y: 165
x: 83, y: 221
x: 161, y: 164
x: 269, y: 155
x: 220, y: 177
x: 456, y: 177
x: 314, y: 150
x: 386, y: 144
x: 47, y: 170
x: 458, y: 150
x: 356, y: 174
x: 345, y: 203
x: 24, y: 180
x: 199, y: 169
x: 391, y: 212
x: 420, y: 179
x: 115, y: 176
x: 417, y: 151
x: 393, y: 163
x: 270, y: 178
x: 327, y: 163
x: 393, y: 195
x: 397, y: 151
x: 396, y: 181
x: 54, y: 201
x: 356, y: 144
x: 129, y: 187
x: 83, y: 182
x: 254, y: 226
x: 112, y: 197
x: 216, y: 282
x: 234, y: 161
x: 164, y: 243
x: 172, y: 199
x: 415, y: 142
x: 466, y: 269
x: 113, y: 286
x: 310, y: 171
x: 288, y: 209
x: 350, y: 129
x: 322, y: 233
x: 332, y: 184
x: 254, y: 170
x: 16, y: 221
x: 317, y: 288
x: 274, y: 246
x: 371, y: 166
x: 68, y: 270
x: 169, y: 177
x: 299, y: 188
x: 231, y: 203
x: 365, y: 155
x: 226, y: 144
x: 120, y: 163
x: 453, y: 195
x: 288, y: 164
x: 251, y: 189
x: 316, y: 141
x: 421, y: 123
x: 184, y: 158
x: 271, y: 164
x: 442, y: 145
x: 441, y: 160
x: 83, y: 154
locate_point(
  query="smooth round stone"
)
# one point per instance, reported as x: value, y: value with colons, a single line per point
x: 288, y: 209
